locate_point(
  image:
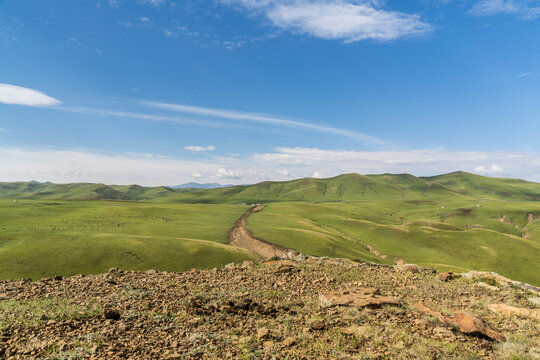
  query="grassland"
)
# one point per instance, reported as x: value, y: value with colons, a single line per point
x: 457, y: 221
x: 448, y: 235
x: 42, y: 239
x: 345, y: 188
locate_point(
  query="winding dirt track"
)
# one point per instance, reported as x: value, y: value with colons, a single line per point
x: 240, y: 236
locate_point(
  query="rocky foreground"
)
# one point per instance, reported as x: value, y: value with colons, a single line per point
x: 285, y: 309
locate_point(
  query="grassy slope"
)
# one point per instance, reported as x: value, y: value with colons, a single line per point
x: 417, y: 232
x: 40, y: 239
x: 349, y: 187
x: 350, y: 210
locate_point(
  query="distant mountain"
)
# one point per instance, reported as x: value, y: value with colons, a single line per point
x: 194, y: 185
x: 349, y: 187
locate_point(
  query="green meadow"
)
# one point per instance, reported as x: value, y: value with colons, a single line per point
x: 46, y: 238
x: 448, y: 235
x: 457, y: 221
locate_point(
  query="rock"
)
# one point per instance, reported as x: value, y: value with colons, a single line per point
x: 512, y: 310
x: 316, y: 325
x: 113, y: 270
x: 111, y: 314
x: 534, y: 301
x: 151, y: 272
x: 263, y: 333
x: 472, y: 325
x: 290, y: 341
x: 423, y: 309
x: 486, y: 275
x: 230, y: 266
x: 294, y: 255
x: 489, y: 287
x: 357, y: 297
x: 58, y: 277
x: 284, y: 268
x: 244, y: 304
x: 414, y: 269
x: 447, y: 276
x: 247, y: 264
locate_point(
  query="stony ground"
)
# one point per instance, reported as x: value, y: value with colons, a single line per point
x: 267, y: 311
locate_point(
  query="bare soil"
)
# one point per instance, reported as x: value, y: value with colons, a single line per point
x: 240, y: 236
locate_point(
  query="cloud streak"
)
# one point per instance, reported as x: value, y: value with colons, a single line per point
x: 345, y: 20
x: 16, y: 95
x: 526, y: 9
x: 268, y: 119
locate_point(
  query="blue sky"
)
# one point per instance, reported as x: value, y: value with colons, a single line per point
x: 238, y: 91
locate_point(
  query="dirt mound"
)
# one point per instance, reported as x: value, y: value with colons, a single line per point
x: 267, y: 311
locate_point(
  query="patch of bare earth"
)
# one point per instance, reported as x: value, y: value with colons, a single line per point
x: 240, y: 236
x: 312, y: 309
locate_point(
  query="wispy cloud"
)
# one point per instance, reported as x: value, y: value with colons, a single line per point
x: 345, y: 20
x: 200, y: 148
x: 281, y: 164
x: 526, y: 9
x: 149, y: 117
x: 267, y: 119
x: 3, y: 130
x: 16, y: 95
x: 155, y: 3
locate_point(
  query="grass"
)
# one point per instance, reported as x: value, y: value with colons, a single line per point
x: 32, y: 312
x: 348, y: 187
x: 448, y: 235
x: 42, y: 239
x: 450, y: 222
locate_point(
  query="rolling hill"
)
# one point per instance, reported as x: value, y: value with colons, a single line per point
x: 348, y: 187
x: 456, y: 222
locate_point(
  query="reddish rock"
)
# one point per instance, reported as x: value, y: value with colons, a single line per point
x: 447, y: 276
x: 473, y: 325
x: 423, y: 309
x: 512, y: 310
x: 289, y: 341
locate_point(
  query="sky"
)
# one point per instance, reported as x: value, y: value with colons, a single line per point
x: 164, y: 92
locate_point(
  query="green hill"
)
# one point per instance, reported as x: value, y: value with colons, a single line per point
x: 348, y: 187
x: 457, y: 221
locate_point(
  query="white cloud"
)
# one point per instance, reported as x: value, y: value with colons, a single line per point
x: 63, y: 166
x: 3, y: 130
x: 170, y: 33
x: 227, y: 174
x: 268, y: 119
x: 345, y: 20
x: 527, y: 9
x: 155, y: 3
x: 339, y: 20
x: 200, y: 148
x: 16, y: 95
x: 490, y: 170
